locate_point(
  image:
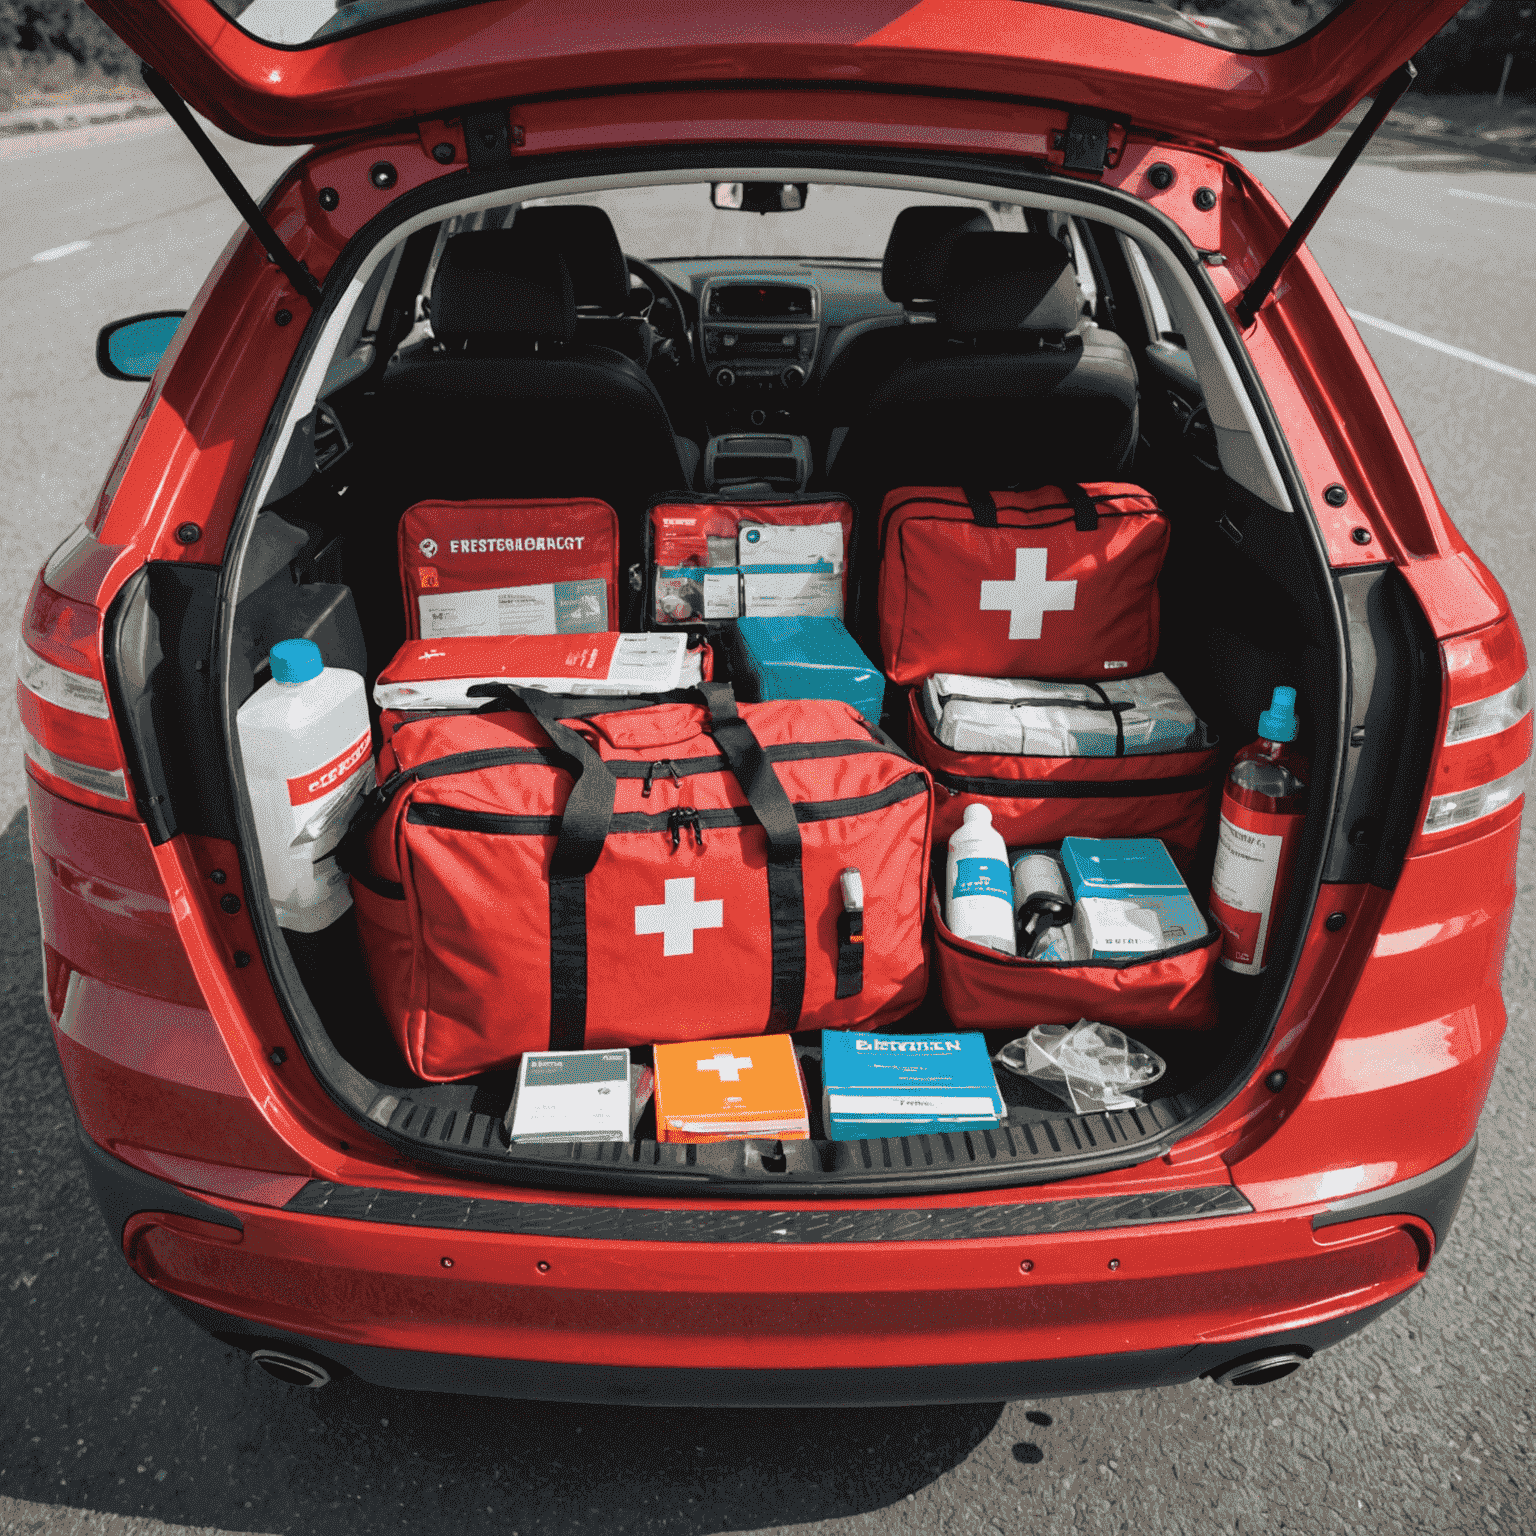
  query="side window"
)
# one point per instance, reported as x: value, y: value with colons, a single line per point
x: 1155, y: 307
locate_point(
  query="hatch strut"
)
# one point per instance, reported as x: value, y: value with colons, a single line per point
x: 1290, y: 242
x: 181, y: 114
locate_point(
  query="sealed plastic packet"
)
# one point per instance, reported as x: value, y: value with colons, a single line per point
x: 1088, y: 1065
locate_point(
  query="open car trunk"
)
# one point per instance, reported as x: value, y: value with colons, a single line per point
x: 1247, y: 603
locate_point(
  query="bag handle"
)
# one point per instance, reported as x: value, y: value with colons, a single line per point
x: 786, y: 883
x: 983, y: 507
x: 1085, y: 515
x: 588, y: 810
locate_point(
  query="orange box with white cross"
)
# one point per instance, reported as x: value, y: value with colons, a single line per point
x: 729, y: 1090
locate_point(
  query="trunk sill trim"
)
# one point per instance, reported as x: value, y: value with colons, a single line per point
x: 649, y: 1225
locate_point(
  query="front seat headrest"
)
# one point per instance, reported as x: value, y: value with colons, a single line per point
x: 1009, y: 282
x: 918, y: 247
x: 585, y: 238
x: 486, y: 289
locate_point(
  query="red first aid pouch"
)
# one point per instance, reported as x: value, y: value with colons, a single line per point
x: 1059, y: 582
x: 565, y: 873
x: 509, y: 567
x: 1034, y: 800
x: 711, y: 558
x: 983, y: 989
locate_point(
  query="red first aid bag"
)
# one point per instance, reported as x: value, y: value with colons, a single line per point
x: 582, y: 872
x: 1059, y: 582
x: 509, y: 568
x: 1034, y: 800
x: 984, y: 989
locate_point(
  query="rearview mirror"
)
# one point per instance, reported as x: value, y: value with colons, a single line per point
x: 759, y: 196
x: 131, y: 349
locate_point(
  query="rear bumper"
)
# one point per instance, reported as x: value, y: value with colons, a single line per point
x: 811, y: 1387
x: 524, y: 1298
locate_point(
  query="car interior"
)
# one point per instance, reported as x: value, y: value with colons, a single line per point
x: 525, y: 350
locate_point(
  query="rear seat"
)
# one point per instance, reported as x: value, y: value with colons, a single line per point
x: 1012, y: 387
x: 513, y: 407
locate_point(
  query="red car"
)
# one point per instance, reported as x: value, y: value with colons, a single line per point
x: 253, y: 1138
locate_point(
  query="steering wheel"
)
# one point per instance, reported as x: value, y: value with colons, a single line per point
x: 666, y: 313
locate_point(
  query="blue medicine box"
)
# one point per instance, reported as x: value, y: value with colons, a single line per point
x: 812, y: 658
x: 906, y: 1085
x: 1137, y: 870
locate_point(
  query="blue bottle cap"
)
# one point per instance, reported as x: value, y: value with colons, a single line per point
x: 1278, y: 722
x: 296, y: 661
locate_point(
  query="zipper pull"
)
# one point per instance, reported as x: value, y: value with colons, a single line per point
x: 650, y: 773
x: 684, y: 816
x: 671, y: 768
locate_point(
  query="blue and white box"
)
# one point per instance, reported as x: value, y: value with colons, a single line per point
x: 1122, y: 888
x: 906, y: 1085
x: 804, y: 658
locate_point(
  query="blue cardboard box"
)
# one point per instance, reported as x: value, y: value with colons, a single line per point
x: 906, y: 1085
x: 1137, y: 870
x: 784, y: 658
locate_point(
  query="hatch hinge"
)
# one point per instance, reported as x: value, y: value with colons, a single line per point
x: 234, y: 189
x: 1263, y: 285
x: 1085, y: 144
x: 490, y: 136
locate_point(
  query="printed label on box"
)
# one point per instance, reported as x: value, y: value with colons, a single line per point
x: 549, y: 608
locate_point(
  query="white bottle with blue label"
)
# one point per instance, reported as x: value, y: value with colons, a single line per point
x: 978, y: 893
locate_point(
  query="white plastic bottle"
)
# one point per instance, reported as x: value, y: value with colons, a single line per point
x: 307, y: 748
x: 978, y: 893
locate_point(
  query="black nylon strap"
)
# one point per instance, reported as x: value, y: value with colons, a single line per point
x: 983, y: 508
x: 567, y: 962
x: 583, y: 831
x: 1084, y: 514
x: 589, y: 810
x: 1118, y: 710
x: 786, y: 887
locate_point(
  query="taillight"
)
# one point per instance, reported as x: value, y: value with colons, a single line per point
x: 1483, y: 757
x: 66, y: 720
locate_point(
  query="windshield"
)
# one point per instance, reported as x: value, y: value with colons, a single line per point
x: 1234, y: 25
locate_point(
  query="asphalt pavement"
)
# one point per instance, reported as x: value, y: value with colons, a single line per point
x: 118, y: 1417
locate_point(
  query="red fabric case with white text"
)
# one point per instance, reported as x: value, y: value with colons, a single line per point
x: 509, y: 568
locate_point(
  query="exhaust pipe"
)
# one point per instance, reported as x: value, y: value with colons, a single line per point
x: 1260, y: 1370
x: 291, y: 1370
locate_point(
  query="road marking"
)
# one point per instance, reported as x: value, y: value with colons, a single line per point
x: 1448, y: 154
x: 1489, y: 197
x: 1460, y: 353
x: 62, y: 250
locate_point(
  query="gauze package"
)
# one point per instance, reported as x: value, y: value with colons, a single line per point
x: 1035, y: 718
x: 1087, y: 1065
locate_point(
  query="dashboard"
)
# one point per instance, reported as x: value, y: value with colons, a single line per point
x: 764, y: 327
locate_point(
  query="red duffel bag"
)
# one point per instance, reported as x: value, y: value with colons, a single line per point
x: 565, y: 873
x: 1059, y: 582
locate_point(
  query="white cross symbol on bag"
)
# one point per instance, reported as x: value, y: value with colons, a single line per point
x: 1029, y: 596
x: 728, y: 1066
x: 678, y: 917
